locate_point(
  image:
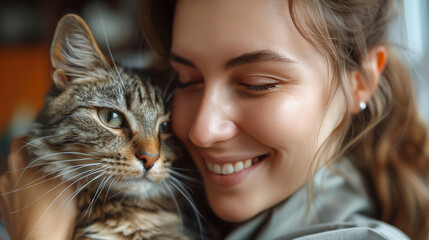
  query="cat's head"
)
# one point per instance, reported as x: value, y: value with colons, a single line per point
x: 100, y: 123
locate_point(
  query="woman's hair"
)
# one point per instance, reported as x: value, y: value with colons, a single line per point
x: 387, y: 141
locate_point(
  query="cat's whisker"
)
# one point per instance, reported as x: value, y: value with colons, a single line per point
x: 88, y: 209
x: 19, y: 210
x: 77, y: 191
x: 30, y: 184
x: 101, y: 169
x: 56, y: 154
x: 167, y: 87
x: 113, y: 183
x: 71, y: 153
x: 68, y: 160
x: 185, y: 194
x: 97, y: 194
x: 94, y: 171
x: 197, y: 213
x: 108, y: 189
x: 180, y: 187
x: 184, y: 169
x: 74, y: 168
x: 145, y: 192
x: 191, y: 179
x: 59, y: 195
x: 115, y: 195
x: 115, y: 180
x: 43, y: 157
x: 176, y: 204
x: 181, y: 184
x: 28, y: 167
x: 124, y: 196
x: 110, y: 51
x: 35, y: 140
x: 168, y: 98
x: 107, y: 181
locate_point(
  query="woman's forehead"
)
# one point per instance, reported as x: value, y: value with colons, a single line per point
x: 222, y: 30
x: 228, y: 22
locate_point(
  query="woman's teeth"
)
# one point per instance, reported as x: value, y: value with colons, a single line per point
x: 230, y: 168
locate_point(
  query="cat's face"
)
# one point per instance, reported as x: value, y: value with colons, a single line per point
x: 100, y: 125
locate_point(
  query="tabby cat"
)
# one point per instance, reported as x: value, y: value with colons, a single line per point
x: 107, y: 132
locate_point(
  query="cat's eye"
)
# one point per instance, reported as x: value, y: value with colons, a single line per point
x: 111, y: 118
x: 165, y: 127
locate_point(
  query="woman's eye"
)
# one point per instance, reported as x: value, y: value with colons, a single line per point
x: 189, y: 80
x: 165, y: 127
x: 111, y: 118
x: 188, y: 84
x: 257, y: 88
x: 259, y: 83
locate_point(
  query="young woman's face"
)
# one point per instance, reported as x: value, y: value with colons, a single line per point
x: 250, y: 109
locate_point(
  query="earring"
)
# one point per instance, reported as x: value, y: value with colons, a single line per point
x: 362, y: 106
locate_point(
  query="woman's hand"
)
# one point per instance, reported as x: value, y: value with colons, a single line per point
x: 30, y: 210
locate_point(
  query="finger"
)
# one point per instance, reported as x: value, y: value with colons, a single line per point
x: 17, y: 143
x: 4, y: 203
x: 17, y: 157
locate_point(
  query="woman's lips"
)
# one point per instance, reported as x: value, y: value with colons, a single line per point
x: 226, y: 172
x: 232, y: 167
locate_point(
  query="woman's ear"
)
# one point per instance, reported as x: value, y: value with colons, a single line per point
x: 364, y: 86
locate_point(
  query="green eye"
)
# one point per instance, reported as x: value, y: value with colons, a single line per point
x: 165, y: 127
x: 111, y: 118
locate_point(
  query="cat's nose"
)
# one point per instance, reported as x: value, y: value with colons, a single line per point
x: 148, y: 159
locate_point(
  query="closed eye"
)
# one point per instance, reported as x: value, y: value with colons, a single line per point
x: 187, y: 84
x: 258, y: 83
x: 256, y: 88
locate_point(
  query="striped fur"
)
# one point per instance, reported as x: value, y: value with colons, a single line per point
x: 120, y: 195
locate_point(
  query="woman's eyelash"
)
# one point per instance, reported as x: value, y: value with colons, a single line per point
x: 186, y: 84
x: 259, y: 87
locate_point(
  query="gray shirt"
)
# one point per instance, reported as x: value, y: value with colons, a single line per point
x: 340, y: 209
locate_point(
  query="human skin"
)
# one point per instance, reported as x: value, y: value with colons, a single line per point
x: 220, y: 117
x: 252, y: 87
x: 42, y: 211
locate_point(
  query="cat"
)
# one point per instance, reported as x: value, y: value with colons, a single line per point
x: 108, y: 132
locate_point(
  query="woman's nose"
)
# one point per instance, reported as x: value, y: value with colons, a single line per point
x: 213, y: 123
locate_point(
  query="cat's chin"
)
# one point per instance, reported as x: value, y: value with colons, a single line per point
x: 139, y: 187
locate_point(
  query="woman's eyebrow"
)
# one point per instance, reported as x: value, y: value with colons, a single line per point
x: 176, y: 58
x: 247, y: 58
x: 258, y: 56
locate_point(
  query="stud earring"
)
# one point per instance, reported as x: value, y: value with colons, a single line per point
x: 362, y: 106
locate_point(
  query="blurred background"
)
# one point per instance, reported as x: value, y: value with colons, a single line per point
x: 27, y: 27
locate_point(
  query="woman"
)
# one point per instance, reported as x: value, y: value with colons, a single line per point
x: 298, y: 115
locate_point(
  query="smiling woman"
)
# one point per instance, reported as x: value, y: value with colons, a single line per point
x: 298, y: 115
x: 276, y: 97
x: 214, y: 114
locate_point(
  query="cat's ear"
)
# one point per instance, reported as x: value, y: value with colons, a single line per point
x: 74, y: 51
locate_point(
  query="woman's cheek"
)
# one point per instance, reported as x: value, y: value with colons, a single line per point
x: 278, y: 119
x: 184, y: 112
x: 177, y: 117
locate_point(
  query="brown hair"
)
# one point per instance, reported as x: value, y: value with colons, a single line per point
x: 388, y: 141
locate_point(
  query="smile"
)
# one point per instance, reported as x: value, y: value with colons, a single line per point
x: 230, y: 168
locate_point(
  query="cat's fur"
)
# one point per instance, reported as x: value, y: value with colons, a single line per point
x: 119, y: 173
